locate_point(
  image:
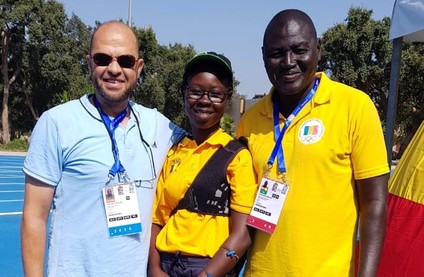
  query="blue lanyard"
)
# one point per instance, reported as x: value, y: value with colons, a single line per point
x: 278, y: 149
x: 111, y: 126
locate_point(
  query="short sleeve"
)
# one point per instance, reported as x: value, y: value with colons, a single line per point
x: 44, y: 158
x: 242, y: 181
x: 369, y: 156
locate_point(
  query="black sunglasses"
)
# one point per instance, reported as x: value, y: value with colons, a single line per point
x: 124, y: 61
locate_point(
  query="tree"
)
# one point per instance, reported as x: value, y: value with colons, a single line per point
x: 358, y: 53
x: 162, y: 75
x: 15, y: 18
x: 410, y: 110
x: 45, y: 65
x: 227, y: 124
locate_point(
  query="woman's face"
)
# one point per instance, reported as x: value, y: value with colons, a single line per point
x: 205, y: 98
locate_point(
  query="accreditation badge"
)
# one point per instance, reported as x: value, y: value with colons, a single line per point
x: 121, y: 208
x: 268, y: 205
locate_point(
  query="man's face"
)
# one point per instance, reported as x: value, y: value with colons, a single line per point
x: 291, y: 53
x: 114, y: 81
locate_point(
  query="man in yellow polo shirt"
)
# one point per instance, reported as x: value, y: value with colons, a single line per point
x: 322, y: 141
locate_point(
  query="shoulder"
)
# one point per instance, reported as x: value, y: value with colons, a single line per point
x: 65, y: 109
x: 262, y: 108
x: 340, y: 90
x: 257, y: 118
x: 62, y: 114
x: 155, y: 125
x: 145, y: 112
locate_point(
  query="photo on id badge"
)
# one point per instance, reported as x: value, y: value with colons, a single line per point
x: 110, y: 197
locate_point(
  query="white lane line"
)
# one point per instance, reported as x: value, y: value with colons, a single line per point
x: 10, y: 213
x: 7, y: 201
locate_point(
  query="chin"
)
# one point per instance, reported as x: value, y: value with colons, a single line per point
x: 114, y: 96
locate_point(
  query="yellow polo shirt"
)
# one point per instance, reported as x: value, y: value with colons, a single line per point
x: 192, y: 233
x: 335, y: 139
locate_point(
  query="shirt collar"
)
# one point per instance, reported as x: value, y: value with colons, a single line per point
x: 322, y: 96
x: 219, y: 138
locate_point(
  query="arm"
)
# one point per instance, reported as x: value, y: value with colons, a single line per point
x: 372, y: 194
x: 154, y: 257
x: 238, y: 240
x: 37, y: 203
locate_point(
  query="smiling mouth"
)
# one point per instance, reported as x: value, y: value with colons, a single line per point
x: 113, y: 81
x: 202, y: 111
x: 289, y: 74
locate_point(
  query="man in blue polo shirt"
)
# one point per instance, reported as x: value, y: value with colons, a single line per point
x: 82, y: 149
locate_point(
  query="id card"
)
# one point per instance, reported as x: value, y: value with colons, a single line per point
x: 121, y: 208
x: 268, y: 204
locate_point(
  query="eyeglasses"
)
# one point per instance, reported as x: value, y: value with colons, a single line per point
x: 124, y: 61
x: 215, y: 96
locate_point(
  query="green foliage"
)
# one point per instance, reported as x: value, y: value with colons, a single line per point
x: 48, y: 58
x: 358, y: 53
x: 18, y: 145
x: 162, y: 75
x: 227, y: 124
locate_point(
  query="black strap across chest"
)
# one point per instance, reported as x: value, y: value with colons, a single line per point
x: 210, y: 192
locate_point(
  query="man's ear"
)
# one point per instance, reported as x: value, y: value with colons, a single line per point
x: 139, y: 66
x: 262, y: 49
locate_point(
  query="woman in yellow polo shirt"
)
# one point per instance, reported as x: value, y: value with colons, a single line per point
x: 199, y: 217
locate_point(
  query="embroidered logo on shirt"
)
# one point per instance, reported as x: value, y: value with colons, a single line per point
x: 311, y: 131
x: 174, y: 164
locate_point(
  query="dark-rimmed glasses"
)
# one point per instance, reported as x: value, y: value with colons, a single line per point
x: 215, y: 96
x: 124, y: 61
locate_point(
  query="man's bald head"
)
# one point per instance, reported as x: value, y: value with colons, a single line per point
x: 287, y: 17
x: 117, y: 26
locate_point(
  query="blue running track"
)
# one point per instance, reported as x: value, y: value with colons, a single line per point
x: 11, y: 203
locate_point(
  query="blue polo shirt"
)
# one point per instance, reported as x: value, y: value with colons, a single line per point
x: 70, y: 149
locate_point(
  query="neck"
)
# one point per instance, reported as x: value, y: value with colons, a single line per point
x: 201, y: 135
x: 287, y: 103
x: 108, y: 107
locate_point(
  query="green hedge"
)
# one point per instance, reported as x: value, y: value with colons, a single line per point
x: 18, y: 145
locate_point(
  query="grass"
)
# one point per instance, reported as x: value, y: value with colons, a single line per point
x: 17, y: 145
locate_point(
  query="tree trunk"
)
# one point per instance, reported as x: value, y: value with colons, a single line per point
x: 5, y: 40
x: 4, y: 112
x: 28, y: 100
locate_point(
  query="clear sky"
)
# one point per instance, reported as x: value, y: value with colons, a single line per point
x: 232, y: 27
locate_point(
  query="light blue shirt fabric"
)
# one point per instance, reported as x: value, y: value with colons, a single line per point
x: 71, y: 150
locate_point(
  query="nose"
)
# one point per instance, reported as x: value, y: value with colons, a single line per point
x: 205, y: 97
x: 114, y: 68
x: 288, y: 59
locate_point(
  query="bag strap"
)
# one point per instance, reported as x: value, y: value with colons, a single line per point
x: 209, y: 192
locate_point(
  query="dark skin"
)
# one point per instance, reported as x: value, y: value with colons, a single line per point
x: 291, y: 51
x: 205, y: 119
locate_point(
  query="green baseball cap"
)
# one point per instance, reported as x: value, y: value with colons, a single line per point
x: 211, y: 57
